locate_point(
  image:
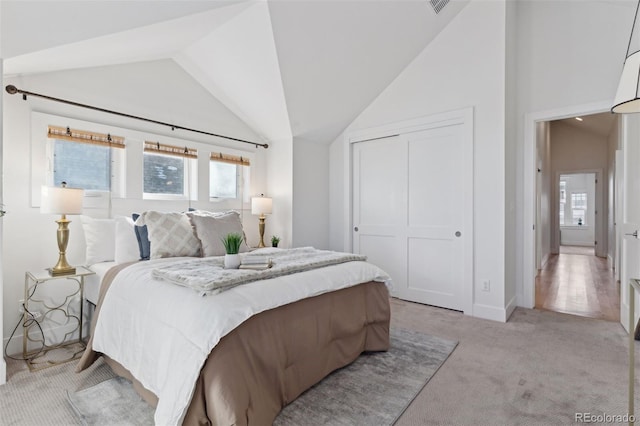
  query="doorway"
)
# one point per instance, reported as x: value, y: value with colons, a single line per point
x: 574, y: 216
x: 578, y: 212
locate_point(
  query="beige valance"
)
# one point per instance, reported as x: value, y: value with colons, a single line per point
x: 232, y: 159
x: 84, y: 136
x: 178, y: 151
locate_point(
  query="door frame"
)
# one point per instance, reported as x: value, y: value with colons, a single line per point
x: 463, y: 117
x: 527, y: 291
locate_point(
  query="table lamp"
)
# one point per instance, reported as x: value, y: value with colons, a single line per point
x: 62, y: 201
x: 260, y: 206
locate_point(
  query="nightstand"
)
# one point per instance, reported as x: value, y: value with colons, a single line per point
x: 43, y: 309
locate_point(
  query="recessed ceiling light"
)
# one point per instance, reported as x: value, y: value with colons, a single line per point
x: 578, y: 118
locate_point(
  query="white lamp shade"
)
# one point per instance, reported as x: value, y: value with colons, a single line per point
x: 261, y: 205
x: 627, y: 100
x: 61, y: 200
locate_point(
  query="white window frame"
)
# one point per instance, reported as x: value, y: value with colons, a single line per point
x: 583, y: 197
x: 118, y: 171
x: 243, y: 181
x: 190, y: 182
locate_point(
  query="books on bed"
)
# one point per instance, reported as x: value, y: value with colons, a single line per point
x: 256, y: 262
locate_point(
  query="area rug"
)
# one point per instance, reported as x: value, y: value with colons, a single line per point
x: 375, y: 389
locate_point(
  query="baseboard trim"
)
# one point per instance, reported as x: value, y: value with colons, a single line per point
x: 544, y: 260
x: 610, y: 261
x: 624, y: 316
x: 3, y: 371
x: 576, y: 243
x: 511, y: 306
x: 490, y: 312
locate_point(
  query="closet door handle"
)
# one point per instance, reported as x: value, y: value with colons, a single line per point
x: 633, y: 234
x: 355, y: 229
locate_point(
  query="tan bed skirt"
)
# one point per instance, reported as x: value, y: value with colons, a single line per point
x: 274, y: 356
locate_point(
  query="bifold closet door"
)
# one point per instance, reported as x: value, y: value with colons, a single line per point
x: 409, y: 212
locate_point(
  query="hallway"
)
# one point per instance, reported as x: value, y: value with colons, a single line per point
x: 578, y: 284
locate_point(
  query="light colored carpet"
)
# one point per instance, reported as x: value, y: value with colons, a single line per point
x: 375, y: 389
x: 540, y: 368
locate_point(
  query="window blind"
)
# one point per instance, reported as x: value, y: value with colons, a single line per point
x: 231, y: 159
x: 177, y: 151
x: 84, y: 136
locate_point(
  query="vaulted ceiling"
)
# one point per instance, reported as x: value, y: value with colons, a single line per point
x: 287, y: 68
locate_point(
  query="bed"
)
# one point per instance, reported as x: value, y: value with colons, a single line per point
x: 92, y: 282
x: 239, y: 356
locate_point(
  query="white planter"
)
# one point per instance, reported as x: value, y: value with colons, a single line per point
x: 231, y: 261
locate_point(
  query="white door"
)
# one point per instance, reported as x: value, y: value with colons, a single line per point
x: 411, y: 203
x: 630, y: 245
x: 379, y: 197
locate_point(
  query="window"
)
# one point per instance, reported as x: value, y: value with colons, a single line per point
x: 81, y: 166
x: 84, y: 159
x: 228, y: 176
x: 168, y: 171
x: 579, y: 208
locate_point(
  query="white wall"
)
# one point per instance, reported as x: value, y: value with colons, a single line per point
x: 280, y: 189
x: 336, y: 195
x: 570, y: 54
x: 511, y: 133
x: 158, y: 90
x: 310, y: 194
x: 464, y: 66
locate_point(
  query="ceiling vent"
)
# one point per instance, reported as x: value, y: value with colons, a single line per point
x: 438, y: 5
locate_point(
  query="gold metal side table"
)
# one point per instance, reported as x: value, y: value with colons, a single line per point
x: 32, y: 319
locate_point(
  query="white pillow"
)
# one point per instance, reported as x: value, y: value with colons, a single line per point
x: 170, y: 234
x: 100, y: 237
x: 211, y: 229
x: 126, y: 243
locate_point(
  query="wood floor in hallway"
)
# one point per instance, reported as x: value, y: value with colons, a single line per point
x: 578, y: 284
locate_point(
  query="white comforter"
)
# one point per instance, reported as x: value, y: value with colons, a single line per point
x: 163, y: 333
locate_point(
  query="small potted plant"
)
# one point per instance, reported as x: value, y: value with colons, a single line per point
x: 232, y: 248
x: 274, y: 241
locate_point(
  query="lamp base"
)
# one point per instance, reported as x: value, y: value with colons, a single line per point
x: 62, y: 267
x: 66, y: 271
x: 261, y: 229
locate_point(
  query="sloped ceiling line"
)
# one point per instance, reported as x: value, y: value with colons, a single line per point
x: 288, y: 69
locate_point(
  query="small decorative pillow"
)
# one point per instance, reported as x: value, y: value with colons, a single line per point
x: 170, y: 234
x: 211, y: 229
x: 127, y: 248
x: 142, y: 235
x: 100, y: 238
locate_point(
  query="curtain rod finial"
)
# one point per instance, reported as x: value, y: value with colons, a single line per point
x: 11, y: 89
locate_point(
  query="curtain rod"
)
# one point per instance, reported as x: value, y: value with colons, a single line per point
x: 12, y: 90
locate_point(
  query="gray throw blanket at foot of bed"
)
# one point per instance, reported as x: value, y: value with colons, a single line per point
x: 208, y: 276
